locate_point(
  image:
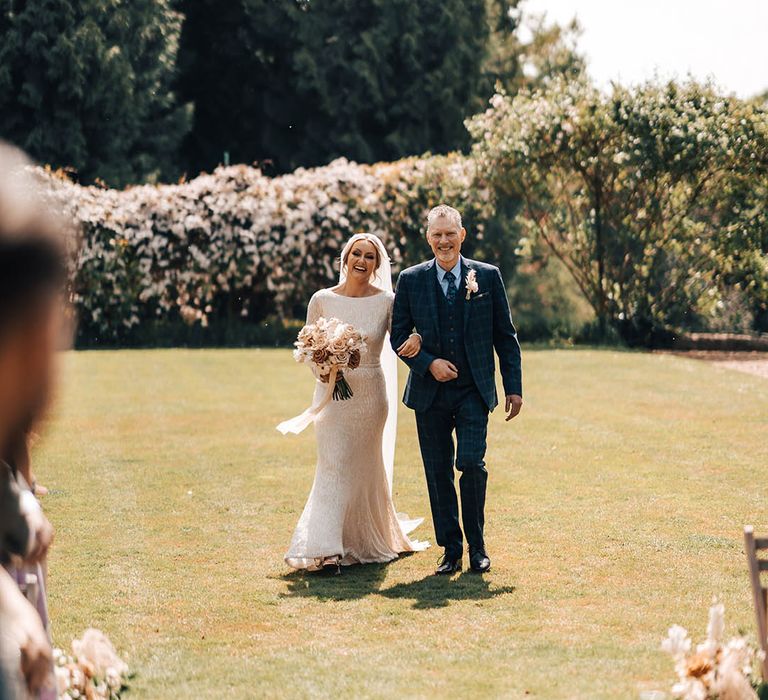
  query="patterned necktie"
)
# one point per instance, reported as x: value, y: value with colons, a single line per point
x: 450, y: 295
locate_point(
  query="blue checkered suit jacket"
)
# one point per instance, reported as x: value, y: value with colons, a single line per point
x: 487, y: 326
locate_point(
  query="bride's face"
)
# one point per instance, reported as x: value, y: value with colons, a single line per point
x: 361, y: 263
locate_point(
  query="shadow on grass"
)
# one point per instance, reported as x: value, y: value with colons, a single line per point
x: 355, y: 582
x: 438, y: 591
x: 360, y: 581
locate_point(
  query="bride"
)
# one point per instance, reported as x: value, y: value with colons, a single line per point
x: 350, y: 517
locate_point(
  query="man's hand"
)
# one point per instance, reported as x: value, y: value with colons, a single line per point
x: 443, y: 371
x: 411, y: 347
x: 513, y: 405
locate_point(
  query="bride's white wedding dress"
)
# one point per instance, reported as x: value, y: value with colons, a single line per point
x: 350, y: 510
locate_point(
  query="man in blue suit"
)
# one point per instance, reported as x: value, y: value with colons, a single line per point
x: 459, y: 308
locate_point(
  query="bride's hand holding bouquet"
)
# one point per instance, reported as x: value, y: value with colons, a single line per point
x: 330, y: 347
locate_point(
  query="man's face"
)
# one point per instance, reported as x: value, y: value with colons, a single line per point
x: 28, y: 367
x: 445, y: 239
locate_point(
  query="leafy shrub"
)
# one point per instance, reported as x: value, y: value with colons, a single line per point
x: 653, y: 197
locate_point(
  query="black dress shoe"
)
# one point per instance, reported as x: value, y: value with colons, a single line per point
x: 479, y: 561
x: 448, y: 565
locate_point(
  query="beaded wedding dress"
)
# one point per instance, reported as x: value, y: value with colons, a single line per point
x: 350, y: 512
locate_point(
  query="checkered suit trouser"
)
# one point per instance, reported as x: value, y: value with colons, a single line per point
x: 461, y: 409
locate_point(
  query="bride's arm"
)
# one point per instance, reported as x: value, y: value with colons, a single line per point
x: 314, y: 311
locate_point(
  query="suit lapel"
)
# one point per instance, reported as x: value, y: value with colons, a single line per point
x: 431, y: 292
x: 465, y: 268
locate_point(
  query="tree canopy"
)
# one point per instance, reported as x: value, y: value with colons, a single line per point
x: 87, y: 85
x: 301, y: 83
x: 653, y: 197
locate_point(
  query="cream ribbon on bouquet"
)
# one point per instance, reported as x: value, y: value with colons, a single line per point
x: 298, y: 423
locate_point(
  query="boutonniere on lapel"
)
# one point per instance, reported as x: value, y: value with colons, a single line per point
x: 471, y: 284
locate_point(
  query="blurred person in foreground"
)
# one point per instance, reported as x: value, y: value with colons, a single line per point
x: 32, y: 323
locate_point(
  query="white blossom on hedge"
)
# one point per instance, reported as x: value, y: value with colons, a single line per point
x: 237, y: 238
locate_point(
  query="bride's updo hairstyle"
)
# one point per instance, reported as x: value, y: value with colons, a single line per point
x: 347, y: 251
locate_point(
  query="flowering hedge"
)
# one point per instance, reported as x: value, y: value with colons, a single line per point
x: 238, y: 245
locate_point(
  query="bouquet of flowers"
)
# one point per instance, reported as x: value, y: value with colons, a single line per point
x: 715, y: 669
x: 93, y: 671
x: 331, y: 347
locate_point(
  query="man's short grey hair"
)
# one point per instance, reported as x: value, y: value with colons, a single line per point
x: 446, y: 213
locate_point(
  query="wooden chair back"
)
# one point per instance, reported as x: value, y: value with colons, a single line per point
x: 753, y: 546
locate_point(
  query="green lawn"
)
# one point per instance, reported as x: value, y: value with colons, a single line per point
x: 616, y: 503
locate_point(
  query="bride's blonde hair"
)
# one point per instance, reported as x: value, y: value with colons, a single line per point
x: 347, y: 251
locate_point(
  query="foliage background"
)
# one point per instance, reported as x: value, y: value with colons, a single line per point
x: 88, y: 86
x: 633, y: 214
x: 652, y: 197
